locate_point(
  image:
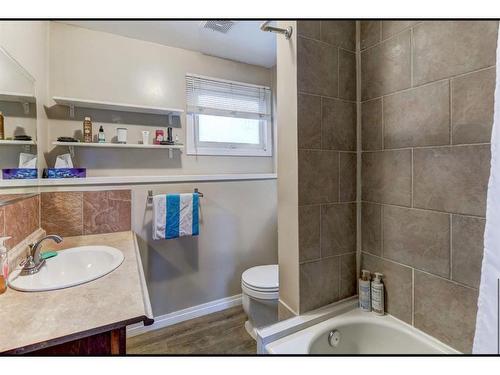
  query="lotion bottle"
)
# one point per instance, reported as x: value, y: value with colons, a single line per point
x: 4, y: 265
x: 378, y: 294
x: 364, y: 291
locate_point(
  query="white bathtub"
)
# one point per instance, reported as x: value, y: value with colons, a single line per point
x: 360, y: 333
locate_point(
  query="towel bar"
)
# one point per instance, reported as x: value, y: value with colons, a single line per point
x: 150, y: 195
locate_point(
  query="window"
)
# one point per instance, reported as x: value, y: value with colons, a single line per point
x: 227, y: 118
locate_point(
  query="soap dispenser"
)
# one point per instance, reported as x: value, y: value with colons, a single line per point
x: 4, y: 265
x: 364, y: 291
x: 378, y: 294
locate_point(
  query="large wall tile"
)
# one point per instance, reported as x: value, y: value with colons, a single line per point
x: 371, y: 228
x: 309, y: 121
x: 452, y: 179
x: 2, y: 222
x: 338, y: 229
x: 389, y: 28
x: 348, y: 280
x: 318, y: 176
x: 21, y: 220
x: 62, y: 213
x: 339, y: 33
x: 417, y: 238
x: 106, y: 211
x: 317, y: 67
x: 347, y: 185
x: 338, y: 126
x: 446, y: 48
x: 371, y: 124
x: 386, y: 177
x: 319, y: 283
x: 472, y: 107
x: 467, y: 249
x: 309, y: 29
x: 309, y: 232
x: 398, y: 285
x: 347, y: 75
x: 370, y: 33
x: 386, y: 67
x: 445, y: 310
x: 418, y: 117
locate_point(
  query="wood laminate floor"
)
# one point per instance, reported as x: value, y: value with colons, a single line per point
x: 219, y: 333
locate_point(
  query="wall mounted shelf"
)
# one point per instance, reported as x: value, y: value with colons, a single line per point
x: 72, y: 145
x: 17, y: 143
x: 117, y: 145
x: 16, y: 97
x: 92, y: 104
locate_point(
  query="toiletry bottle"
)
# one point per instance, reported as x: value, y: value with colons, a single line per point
x: 4, y: 265
x: 101, y: 138
x: 364, y: 291
x: 87, y: 130
x: 378, y: 294
x: 2, y: 129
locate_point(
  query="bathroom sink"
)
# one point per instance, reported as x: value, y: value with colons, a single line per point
x: 71, y: 267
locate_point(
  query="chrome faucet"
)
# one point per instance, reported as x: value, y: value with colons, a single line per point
x: 34, y: 261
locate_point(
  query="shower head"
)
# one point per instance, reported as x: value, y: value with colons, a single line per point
x: 273, y: 29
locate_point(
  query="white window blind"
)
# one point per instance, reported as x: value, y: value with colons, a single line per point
x: 226, y: 98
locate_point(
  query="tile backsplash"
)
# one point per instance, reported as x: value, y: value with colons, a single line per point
x: 19, y: 219
x: 88, y: 212
x: 66, y: 213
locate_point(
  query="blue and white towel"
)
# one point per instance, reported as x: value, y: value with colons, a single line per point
x: 175, y: 215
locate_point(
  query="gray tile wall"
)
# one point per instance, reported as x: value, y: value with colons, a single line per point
x: 326, y: 69
x: 427, y: 112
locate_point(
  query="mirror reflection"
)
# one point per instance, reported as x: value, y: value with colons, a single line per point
x: 17, y: 120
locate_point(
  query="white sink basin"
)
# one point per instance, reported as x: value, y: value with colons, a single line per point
x: 74, y: 266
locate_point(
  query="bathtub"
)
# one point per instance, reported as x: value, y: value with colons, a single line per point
x: 355, y: 332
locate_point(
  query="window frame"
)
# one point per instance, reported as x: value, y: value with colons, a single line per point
x: 195, y: 147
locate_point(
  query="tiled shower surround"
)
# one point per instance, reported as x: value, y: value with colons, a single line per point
x: 427, y: 91
x: 326, y: 76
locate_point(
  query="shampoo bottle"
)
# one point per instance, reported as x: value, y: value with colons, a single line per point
x: 4, y: 265
x: 378, y: 294
x: 87, y: 130
x: 364, y: 291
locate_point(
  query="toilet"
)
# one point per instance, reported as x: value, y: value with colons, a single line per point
x: 260, y: 293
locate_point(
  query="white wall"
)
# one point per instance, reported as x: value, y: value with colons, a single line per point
x: 100, y: 66
x: 239, y: 224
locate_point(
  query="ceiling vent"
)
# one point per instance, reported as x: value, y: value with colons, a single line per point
x: 217, y: 25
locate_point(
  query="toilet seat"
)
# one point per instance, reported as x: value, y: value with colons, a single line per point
x: 261, y: 282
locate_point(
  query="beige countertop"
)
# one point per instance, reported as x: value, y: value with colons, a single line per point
x: 34, y: 320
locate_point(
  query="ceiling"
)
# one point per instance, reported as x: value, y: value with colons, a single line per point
x: 244, y: 42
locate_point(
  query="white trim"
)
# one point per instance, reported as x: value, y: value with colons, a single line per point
x: 175, y: 317
x: 137, y: 180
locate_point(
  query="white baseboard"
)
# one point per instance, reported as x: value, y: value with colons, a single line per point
x: 185, y: 314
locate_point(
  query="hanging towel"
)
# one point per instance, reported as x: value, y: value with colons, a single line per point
x: 487, y: 337
x: 175, y: 215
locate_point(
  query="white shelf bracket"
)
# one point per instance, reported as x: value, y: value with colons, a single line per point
x: 71, y: 151
x: 170, y: 153
x: 26, y: 108
x: 72, y: 110
x: 169, y: 116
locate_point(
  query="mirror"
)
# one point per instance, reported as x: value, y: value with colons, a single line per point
x: 18, y: 119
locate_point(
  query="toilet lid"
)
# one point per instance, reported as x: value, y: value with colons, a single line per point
x: 262, y: 277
